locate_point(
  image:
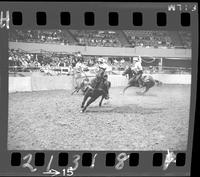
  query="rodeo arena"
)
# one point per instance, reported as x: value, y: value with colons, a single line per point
x: 99, y: 89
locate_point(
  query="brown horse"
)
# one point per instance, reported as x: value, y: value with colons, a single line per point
x: 94, y: 93
x: 147, y: 81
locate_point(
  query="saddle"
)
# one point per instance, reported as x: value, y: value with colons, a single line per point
x: 94, y: 82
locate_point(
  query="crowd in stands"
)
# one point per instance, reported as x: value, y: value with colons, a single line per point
x: 102, y: 38
x: 97, y: 38
x: 22, y: 59
x: 29, y: 62
x: 149, y: 38
x: 19, y: 58
x: 39, y: 36
x: 186, y: 38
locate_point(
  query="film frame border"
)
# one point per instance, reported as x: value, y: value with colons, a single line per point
x: 124, y: 10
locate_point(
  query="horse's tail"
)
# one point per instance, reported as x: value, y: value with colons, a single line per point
x: 158, y: 83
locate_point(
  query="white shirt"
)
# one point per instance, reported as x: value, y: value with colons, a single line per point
x: 138, y: 67
x: 104, y: 65
x: 78, y: 65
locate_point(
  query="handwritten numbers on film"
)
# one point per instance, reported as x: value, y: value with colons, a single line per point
x: 28, y: 163
x: 122, y: 157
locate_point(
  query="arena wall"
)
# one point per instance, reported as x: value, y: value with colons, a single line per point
x: 102, y: 51
x: 173, y: 78
x: 37, y: 83
x: 117, y: 80
x: 19, y: 84
x: 51, y: 83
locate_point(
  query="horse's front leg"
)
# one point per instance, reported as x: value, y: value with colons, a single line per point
x: 126, y: 88
x: 92, y: 99
x: 100, y: 103
x: 84, y: 99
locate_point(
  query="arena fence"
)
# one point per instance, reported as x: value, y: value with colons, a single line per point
x: 66, y: 70
x: 19, y: 84
x: 38, y: 83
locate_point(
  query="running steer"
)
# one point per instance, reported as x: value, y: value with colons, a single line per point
x: 102, y: 90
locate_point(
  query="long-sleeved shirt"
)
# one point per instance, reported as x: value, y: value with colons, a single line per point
x: 138, y: 67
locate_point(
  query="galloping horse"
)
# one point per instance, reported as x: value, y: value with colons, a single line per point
x: 147, y: 80
x: 93, y: 93
x: 85, y: 82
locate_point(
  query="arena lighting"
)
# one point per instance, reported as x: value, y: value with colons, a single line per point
x: 90, y: 118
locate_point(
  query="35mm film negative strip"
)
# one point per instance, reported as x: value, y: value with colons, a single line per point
x: 97, y: 88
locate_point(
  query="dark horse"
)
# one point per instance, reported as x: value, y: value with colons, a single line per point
x: 102, y: 90
x: 147, y: 80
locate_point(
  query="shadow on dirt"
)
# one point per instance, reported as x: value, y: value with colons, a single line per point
x: 146, y: 94
x: 124, y: 109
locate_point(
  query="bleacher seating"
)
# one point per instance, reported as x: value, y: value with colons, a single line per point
x: 105, y: 38
x: 148, y: 38
x: 97, y: 38
x: 186, y: 38
x: 40, y: 36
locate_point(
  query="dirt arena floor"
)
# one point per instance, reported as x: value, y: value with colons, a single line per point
x: 51, y: 120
